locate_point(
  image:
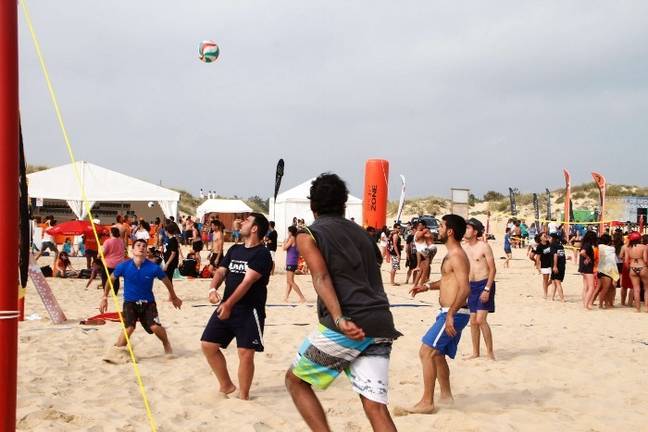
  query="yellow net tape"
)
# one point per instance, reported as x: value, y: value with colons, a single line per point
x: 59, y: 117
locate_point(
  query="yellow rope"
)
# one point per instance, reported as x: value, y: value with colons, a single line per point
x: 149, y: 414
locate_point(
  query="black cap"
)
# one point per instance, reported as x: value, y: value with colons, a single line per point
x: 476, y: 224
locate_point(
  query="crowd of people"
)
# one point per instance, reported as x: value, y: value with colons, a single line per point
x: 357, y: 329
x: 611, y: 261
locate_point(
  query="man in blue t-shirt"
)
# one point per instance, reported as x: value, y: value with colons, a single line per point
x: 139, y: 302
x: 241, y: 314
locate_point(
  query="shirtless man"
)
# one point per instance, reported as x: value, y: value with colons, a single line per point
x: 443, y: 337
x: 482, y: 286
x: 236, y: 229
x: 217, y: 243
x: 636, y: 256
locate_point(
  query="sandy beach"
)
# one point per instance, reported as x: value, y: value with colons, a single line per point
x: 558, y: 366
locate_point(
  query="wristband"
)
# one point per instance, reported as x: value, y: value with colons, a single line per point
x: 487, y: 289
x: 345, y: 318
x: 211, y: 291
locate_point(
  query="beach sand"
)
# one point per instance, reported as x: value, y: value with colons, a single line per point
x: 558, y: 367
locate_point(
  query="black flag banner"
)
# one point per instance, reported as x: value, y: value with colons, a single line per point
x: 536, y: 210
x: 23, y: 203
x: 279, y: 174
x: 513, y: 206
x: 548, y: 204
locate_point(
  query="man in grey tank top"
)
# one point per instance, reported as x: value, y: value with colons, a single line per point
x: 356, y: 328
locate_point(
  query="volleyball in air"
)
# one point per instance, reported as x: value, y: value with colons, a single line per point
x: 208, y: 51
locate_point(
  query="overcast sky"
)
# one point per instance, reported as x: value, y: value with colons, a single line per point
x: 483, y: 95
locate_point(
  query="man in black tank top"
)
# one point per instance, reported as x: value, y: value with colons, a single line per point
x: 356, y: 326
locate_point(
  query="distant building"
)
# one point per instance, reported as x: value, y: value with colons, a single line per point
x: 626, y: 208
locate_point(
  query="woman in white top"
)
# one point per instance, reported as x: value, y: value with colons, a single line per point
x: 608, y: 272
x: 382, y: 244
x: 142, y: 231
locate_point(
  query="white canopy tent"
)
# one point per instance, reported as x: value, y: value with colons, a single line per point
x: 100, y: 184
x: 213, y: 205
x: 294, y: 203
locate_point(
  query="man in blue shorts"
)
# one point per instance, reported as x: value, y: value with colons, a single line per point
x: 443, y: 337
x: 482, y: 286
x: 139, y: 302
x: 246, y: 271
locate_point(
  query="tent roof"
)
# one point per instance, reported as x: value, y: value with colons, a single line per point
x: 100, y: 184
x: 213, y: 205
x: 301, y: 192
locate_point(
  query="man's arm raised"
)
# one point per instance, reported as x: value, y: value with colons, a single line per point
x: 324, y: 286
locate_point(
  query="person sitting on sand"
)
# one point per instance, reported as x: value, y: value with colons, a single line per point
x: 63, y: 267
x: 241, y: 315
x: 139, y: 302
x: 443, y: 337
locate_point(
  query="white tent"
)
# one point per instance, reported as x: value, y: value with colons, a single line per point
x: 213, y: 205
x: 294, y: 203
x: 100, y: 184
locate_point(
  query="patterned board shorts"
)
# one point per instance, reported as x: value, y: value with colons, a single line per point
x: 326, y: 353
x: 395, y: 262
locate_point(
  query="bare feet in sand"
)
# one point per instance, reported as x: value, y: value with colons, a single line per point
x: 227, y: 390
x: 167, y: 349
x: 419, y: 408
x: 446, y: 400
x: 491, y: 356
x: 472, y: 357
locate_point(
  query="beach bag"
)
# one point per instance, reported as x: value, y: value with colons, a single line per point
x: 47, y: 271
x: 206, y: 273
x: 188, y: 268
x: 85, y: 273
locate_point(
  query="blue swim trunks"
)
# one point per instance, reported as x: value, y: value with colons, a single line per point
x: 437, y: 338
x: 476, y: 289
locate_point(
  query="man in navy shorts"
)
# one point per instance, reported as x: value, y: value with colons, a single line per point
x: 481, y: 300
x: 246, y: 271
x: 139, y: 302
x: 442, y: 338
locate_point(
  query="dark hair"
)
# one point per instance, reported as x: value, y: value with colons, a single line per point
x: 507, y: 229
x: 605, y: 239
x: 115, y: 231
x: 171, y: 228
x: 618, y: 241
x: 272, y: 224
x: 644, y: 239
x: 139, y: 241
x: 589, y: 240
x: 292, y: 230
x: 457, y: 224
x: 261, y: 223
x: 328, y: 195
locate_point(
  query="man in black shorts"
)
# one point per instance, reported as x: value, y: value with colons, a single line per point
x: 241, y: 314
x: 139, y: 302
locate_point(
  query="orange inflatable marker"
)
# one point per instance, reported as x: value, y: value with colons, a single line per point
x: 374, y: 203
